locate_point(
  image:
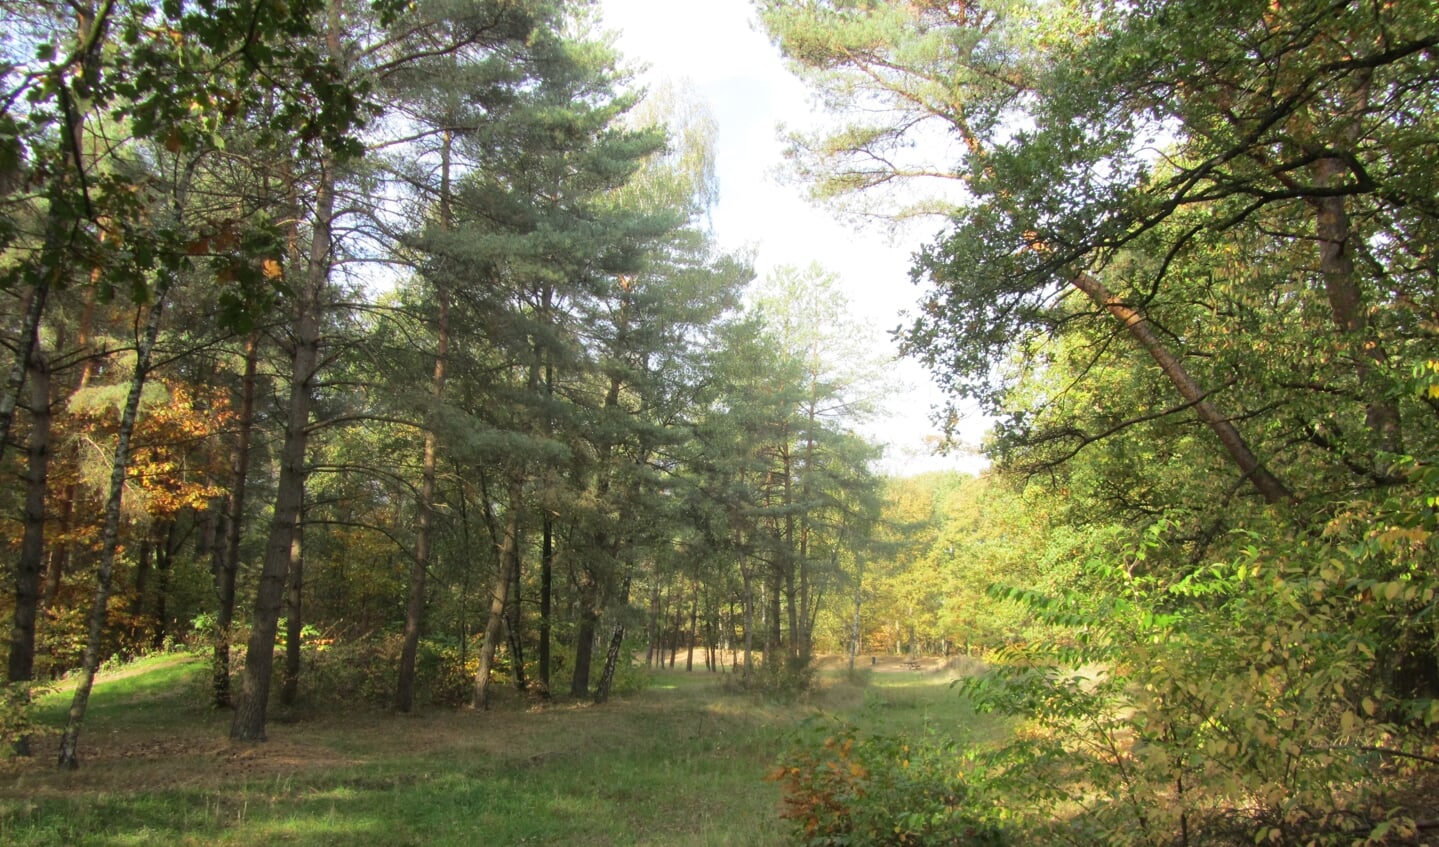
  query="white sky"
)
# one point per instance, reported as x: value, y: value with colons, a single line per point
x: 718, y: 48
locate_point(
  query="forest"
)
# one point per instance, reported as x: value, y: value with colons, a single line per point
x: 378, y: 358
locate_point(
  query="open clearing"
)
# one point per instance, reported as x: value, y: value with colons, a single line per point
x: 682, y: 762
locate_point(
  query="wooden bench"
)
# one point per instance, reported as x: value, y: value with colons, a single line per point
x: 911, y: 664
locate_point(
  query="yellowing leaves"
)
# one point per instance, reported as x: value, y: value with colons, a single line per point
x: 174, y: 452
x: 1393, y: 537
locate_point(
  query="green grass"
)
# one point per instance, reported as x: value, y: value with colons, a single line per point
x: 681, y: 763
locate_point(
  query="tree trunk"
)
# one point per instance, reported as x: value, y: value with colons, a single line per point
x: 854, y: 625
x: 652, y: 627
x: 294, y: 617
x: 547, y: 569
x: 585, y: 636
x: 617, y: 641
x: 499, y: 599
x: 59, y: 558
x: 143, y: 565
x: 250, y: 709
x: 29, y: 339
x: 84, y: 67
x: 32, y: 544
x: 694, y: 624
x: 748, y: 623
x: 512, y: 624
x: 1346, y: 302
x: 228, y: 567
x: 110, y: 535
x: 774, y: 636
x: 164, y: 558
x: 419, y: 567
x: 1270, y: 488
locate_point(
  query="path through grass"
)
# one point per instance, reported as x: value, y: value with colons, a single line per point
x: 681, y: 763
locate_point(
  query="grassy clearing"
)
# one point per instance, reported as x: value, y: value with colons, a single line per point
x: 681, y: 763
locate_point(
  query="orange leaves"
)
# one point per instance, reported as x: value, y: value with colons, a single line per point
x: 175, y: 449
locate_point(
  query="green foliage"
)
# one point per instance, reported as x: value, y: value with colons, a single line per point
x: 631, y: 676
x: 345, y: 674
x: 1237, y: 704
x: 786, y: 680
x: 842, y: 788
x: 18, y: 718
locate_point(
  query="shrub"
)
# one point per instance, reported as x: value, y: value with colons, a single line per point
x: 785, y: 680
x: 17, y: 714
x: 878, y: 790
x: 365, y: 671
x: 1240, y: 703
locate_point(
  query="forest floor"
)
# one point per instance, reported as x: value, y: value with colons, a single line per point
x: 681, y: 762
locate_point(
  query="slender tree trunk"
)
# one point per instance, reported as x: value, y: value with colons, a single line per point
x: 617, y: 641
x: 59, y: 557
x: 513, y: 622
x: 294, y: 617
x: 228, y: 565
x: 419, y: 567
x: 854, y: 624
x: 1270, y: 488
x: 748, y: 623
x: 499, y: 599
x: 547, y: 570
x: 15, y: 382
x: 1346, y: 302
x: 585, y: 634
x: 110, y: 535
x: 652, y: 627
x: 164, y: 558
x: 144, y: 563
x: 91, y: 29
x: 250, y: 709
x: 32, y: 543
x: 774, y: 637
x: 694, y: 624
x: 802, y: 633
x: 676, y: 630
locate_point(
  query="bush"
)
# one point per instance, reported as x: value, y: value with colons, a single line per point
x: 366, y: 671
x: 786, y: 680
x: 17, y: 714
x: 1240, y: 703
x: 880, y: 790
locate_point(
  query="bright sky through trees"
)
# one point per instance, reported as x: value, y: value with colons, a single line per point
x: 715, y: 47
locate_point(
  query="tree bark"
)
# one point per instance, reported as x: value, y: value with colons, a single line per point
x: 617, y: 641
x: 854, y: 625
x: 32, y: 544
x: 547, y: 570
x: 15, y: 382
x: 748, y: 622
x: 1269, y: 487
x: 59, y: 558
x: 294, y: 617
x: 512, y: 624
x: 1346, y: 303
x: 694, y: 624
x: 499, y: 598
x: 164, y: 558
x: 585, y: 634
x: 110, y: 535
x: 250, y: 709
x: 228, y: 565
x: 85, y: 64
x: 419, y: 567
